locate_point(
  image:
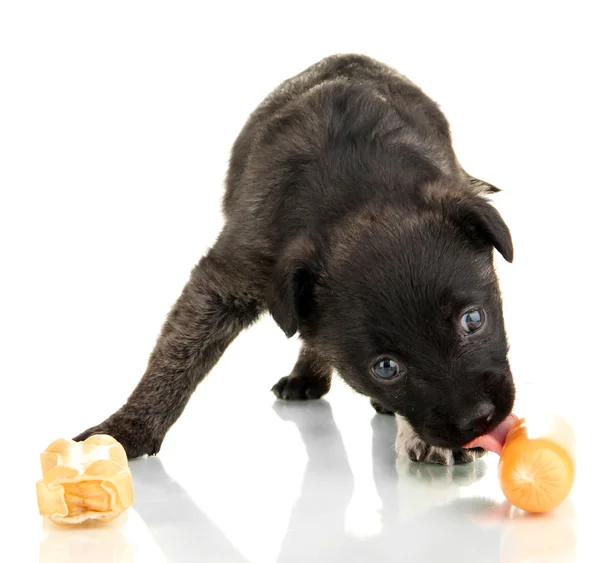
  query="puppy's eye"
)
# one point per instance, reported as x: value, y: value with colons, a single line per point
x: 472, y: 320
x: 386, y: 368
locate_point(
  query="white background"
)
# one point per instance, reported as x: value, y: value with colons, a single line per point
x: 116, y: 120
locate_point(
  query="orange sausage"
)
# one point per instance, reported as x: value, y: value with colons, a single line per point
x: 537, y: 464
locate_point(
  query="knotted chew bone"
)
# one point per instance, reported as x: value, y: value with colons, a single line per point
x: 87, y: 480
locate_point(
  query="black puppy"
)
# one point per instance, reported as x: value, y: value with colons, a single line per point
x: 349, y: 219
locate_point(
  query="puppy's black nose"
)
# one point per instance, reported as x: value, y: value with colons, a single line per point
x: 478, y: 420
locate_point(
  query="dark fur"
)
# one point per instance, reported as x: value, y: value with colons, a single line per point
x: 349, y: 219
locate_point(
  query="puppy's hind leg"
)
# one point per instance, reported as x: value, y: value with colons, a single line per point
x: 221, y: 297
x: 310, y: 378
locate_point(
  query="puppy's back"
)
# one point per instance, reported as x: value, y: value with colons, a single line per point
x: 346, y: 131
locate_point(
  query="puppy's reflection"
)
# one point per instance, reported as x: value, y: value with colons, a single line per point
x: 407, y: 489
x: 422, y: 515
x: 412, y: 526
x: 316, y: 527
x: 423, y: 518
x: 180, y: 528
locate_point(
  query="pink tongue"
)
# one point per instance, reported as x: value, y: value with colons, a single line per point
x: 494, y: 441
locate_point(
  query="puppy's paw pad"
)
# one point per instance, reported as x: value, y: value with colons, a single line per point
x: 425, y: 453
x: 300, y: 387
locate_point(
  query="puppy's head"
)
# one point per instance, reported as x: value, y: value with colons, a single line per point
x: 405, y: 304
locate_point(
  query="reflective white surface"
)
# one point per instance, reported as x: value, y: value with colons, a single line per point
x: 116, y: 121
x: 314, y: 481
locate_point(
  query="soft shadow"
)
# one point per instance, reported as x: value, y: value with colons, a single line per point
x: 423, y: 517
x: 407, y: 489
x: 316, y: 527
x: 549, y: 537
x: 180, y: 528
x: 427, y: 505
x: 416, y: 521
x: 92, y: 543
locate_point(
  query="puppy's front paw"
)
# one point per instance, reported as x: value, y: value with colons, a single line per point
x: 411, y: 446
x: 300, y: 387
x: 133, y: 434
x: 467, y: 456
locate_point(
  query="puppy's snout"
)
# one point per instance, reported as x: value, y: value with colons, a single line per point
x: 477, y: 420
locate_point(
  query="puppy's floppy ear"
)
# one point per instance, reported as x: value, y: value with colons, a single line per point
x: 481, y: 221
x: 290, y: 292
x: 481, y: 186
